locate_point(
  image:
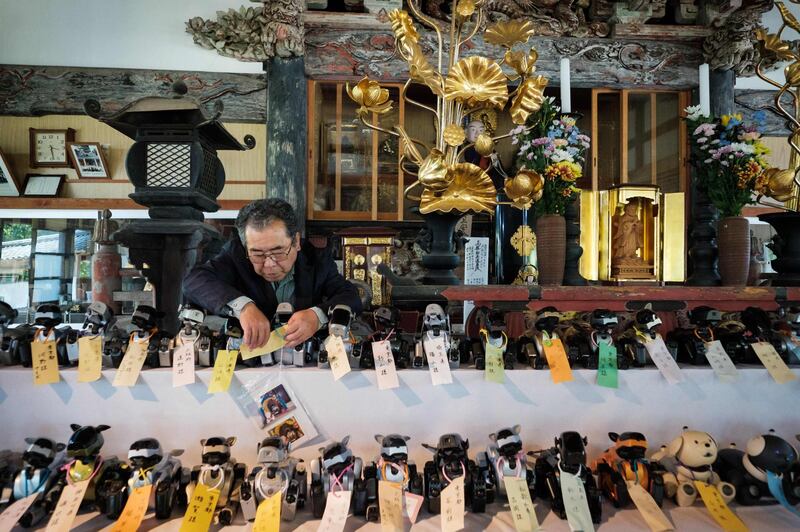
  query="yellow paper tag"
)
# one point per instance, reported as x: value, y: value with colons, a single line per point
x: 134, y: 511
x: 12, y: 514
x: 131, y: 365
x: 716, y: 506
x: 453, y: 506
x: 390, y: 495
x: 223, y: 371
x: 521, y: 505
x: 773, y: 362
x: 337, y: 506
x: 45, y: 362
x: 557, y: 360
x: 495, y: 369
x: 337, y: 357
x: 268, y: 515
x: 67, y: 508
x: 200, y: 511
x: 276, y: 341
x: 90, y: 358
x: 649, y: 509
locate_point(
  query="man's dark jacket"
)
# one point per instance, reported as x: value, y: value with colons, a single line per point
x: 230, y: 274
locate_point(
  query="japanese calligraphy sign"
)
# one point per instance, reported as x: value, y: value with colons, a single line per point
x: 438, y: 365
x: 385, y: 370
x: 268, y: 515
x: 453, y: 505
x: 772, y: 361
x: 223, y: 371
x: 134, y: 511
x: 577, y: 507
x: 200, y: 511
x: 45, y: 362
x: 720, y: 362
x: 663, y: 360
x: 13, y: 513
x: 557, y: 360
x: 337, y: 506
x: 607, y: 374
x: 90, y: 358
x: 494, y: 370
x: 276, y: 341
x: 716, y: 506
x: 649, y: 509
x: 337, y: 357
x: 521, y: 505
x: 390, y: 495
x: 183, y: 365
x: 67, y: 508
x: 131, y: 365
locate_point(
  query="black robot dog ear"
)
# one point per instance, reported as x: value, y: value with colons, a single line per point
x: 74, y: 426
x: 30, y: 441
x: 101, y: 428
x: 60, y: 447
x: 431, y: 448
x: 379, y: 438
x: 613, y: 436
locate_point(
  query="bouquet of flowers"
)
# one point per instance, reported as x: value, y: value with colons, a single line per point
x: 555, y: 149
x: 729, y: 157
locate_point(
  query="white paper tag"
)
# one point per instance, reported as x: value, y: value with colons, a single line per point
x: 663, y: 360
x: 67, y: 508
x: 337, y: 357
x: 720, y: 362
x: 412, y: 504
x: 579, y: 516
x: 438, y: 365
x: 773, y: 362
x: 385, y: 369
x: 183, y: 365
x: 649, y: 509
x: 520, y: 503
x: 390, y: 497
x: 453, y: 503
x: 336, y: 509
x: 72, y: 351
x: 13, y: 513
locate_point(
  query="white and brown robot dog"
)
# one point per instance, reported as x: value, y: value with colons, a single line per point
x: 688, y: 458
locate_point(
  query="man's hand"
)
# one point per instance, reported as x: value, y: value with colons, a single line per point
x: 302, y: 325
x: 255, y: 326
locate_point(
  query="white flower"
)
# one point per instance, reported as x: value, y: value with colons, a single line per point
x: 743, y: 147
x: 693, y: 112
x: 561, y: 155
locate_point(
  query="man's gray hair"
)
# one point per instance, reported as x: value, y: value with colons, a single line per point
x: 260, y: 213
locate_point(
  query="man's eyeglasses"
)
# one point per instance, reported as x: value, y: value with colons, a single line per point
x: 260, y: 257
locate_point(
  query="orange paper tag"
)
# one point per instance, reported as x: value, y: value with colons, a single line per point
x: 200, y: 511
x: 134, y: 511
x: 557, y: 360
x: 45, y: 362
x: 716, y: 506
x: 90, y: 358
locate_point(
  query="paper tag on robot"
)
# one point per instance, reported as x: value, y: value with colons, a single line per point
x: 438, y: 365
x: 716, y: 506
x: 662, y: 358
x: 223, y: 371
x: 385, y: 370
x: 276, y: 341
x: 773, y: 362
x: 412, y: 504
x: 45, y: 362
x: 73, y: 352
x: 390, y: 502
x: 452, y: 498
x: 557, y: 360
x: 519, y: 500
x: 183, y: 365
x: 495, y: 370
x: 200, y: 511
x: 337, y: 357
x: 775, y: 485
x: 12, y: 514
x: 721, y: 362
x: 268, y: 515
x: 647, y: 506
x: 134, y: 511
x: 90, y: 358
x: 573, y: 493
x: 607, y: 374
x: 131, y: 364
x: 67, y: 507
x: 337, y: 506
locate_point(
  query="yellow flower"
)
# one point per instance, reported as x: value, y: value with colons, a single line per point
x: 454, y: 135
x: 528, y: 99
x: 564, y: 171
x: 509, y: 32
x: 725, y: 119
x: 370, y: 96
x: 465, y: 8
x: 470, y: 190
x: 475, y: 80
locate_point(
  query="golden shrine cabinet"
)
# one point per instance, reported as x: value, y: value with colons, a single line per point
x: 363, y: 250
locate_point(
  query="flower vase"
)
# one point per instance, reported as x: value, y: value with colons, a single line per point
x: 734, y: 250
x: 551, y: 237
x: 786, y: 246
x: 442, y: 259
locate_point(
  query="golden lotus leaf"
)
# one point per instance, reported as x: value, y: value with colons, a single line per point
x: 522, y: 63
x: 528, y: 99
x: 788, y: 18
x: 422, y: 71
x: 370, y: 96
x: 777, y: 184
x: 792, y: 73
x: 470, y: 190
x: 432, y: 173
x: 410, y: 150
x: 525, y: 188
x: 771, y: 44
x: 402, y: 25
x: 509, y: 32
x: 475, y: 80
x: 465, y: 8
x: 484, y: 145
x: 454, y: 135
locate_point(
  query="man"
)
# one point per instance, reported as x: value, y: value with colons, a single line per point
x: 266, y: 265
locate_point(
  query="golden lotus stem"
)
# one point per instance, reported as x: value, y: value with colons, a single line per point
x: 377, y: 128
x: 430, y: 23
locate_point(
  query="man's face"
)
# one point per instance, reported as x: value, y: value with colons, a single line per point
x: 271, y: 251
x: 474, y: 129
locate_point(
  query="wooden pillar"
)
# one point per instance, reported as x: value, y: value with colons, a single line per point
x: 721, y: 85
x: 287, y: 133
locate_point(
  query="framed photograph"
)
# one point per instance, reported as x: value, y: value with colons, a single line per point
x: 43, y: 185
x: 9, y: 186
x: 88, y: 159
x: 274, y: 404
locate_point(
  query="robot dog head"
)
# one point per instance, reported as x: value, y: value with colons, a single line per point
x: 571, y: 449
x: 386, y: 317
x: 604, y: 319
x: 393, y: 447
x: 435, y: 319
x: 145, y: 453
x: 771, y: 453
x: 547, y: 320
x: 339, y: 318
x: 48, y: 316
x: 705, y: 316
x: 86, y: 441
x: 508, y: 441
x: 646, y: 320
x: 693, y: 448
x: 273, y: 450
x: 629, y: 445
x: 336, y: 455
x: 7, y: 314
x: 451, y: 449
x: 98, y: 316
x: 217, y: 450
x: 145, y: 317
x: 191, y: 316
x: 41, y: 452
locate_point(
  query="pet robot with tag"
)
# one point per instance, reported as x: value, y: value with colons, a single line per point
x: 747, y: 470
x: 195, y: 333
x: 602, y: 323
x: 162, y: 471
x: 99, y: 317
x: 504, y: 457
x: 299, y: 355
x: 393, y: 465
x: 221, y: 472
x: 387, y: 328
x: 644, y: 329
x: 144, y: 322
x: 339, y: 319
x: 492, y: 331
x: 450, y: 461
x: 436, y: 325
x: 687, y: 458
x: 692, y: 341
x: 531, y: 350
x: 337, y: 470
x: 46, y: 323
x: 760, y: 328
x: 40, y: 474
x: 277, y: 471
x: 568, y: 455
x: 626, y: 462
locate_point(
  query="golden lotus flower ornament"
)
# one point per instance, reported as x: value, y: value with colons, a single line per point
x: 470, y: 190
x: 522, y: 63
x: 777, y: 184
x: 433, y: 173
x: 510, y: 32
x: 484, y: 145
x: 475, y: 80
x: 454, y: 135
x: 772, y: 44
x: 528, y: 99
x: 370, y: 96
x: 525, y: 188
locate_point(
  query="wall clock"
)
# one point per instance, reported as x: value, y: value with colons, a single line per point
x: 48, y: 147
